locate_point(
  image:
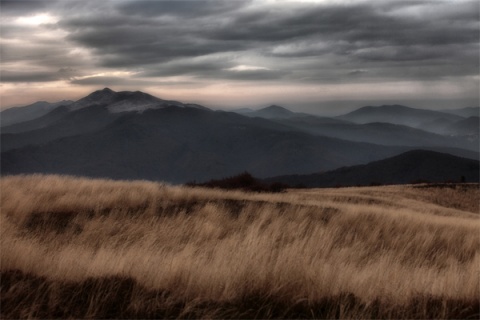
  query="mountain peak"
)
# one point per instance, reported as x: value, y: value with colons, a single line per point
x: 396, y: 114
x: 126, y: 101
x: 386, y: 107
x: 274, y: 107
x: 104, y: 91
x: 273, y: 111
x: 99, y: 97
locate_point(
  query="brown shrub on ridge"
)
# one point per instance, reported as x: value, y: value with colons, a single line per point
x: 244, y: 181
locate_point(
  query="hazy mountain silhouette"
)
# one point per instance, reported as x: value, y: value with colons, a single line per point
x: 465, y: 112
x: 271, y: 112
x: 412, y: 166
x: 378, y: 133
x: 133, y: 135
x: 125, y: 101
x: 20, y: 114
x: 37, y: 123
x: 57, y: 124
x: 439, y: 125
x: 182, y: 144
x: 396, y: 114
x: 469, y: 126
x: 79, y: 118
x: 438, y: 132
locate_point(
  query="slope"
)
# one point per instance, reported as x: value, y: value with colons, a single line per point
x: 182, y: 144
x: 378, y: 133
x: 416, y: 165
x: 57, y: 124
x: 35, y: 110
x: 396, y: 114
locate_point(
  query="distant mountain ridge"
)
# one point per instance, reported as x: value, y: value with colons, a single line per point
x: 465, y: 112
x: 126, y: 101
x: 396, y: 114
x: 270, y: 112
x: 408, y: 167
x: 35, y: 110
x: 183, y: 144
x: 134, y: 135
x: 384, y: 133
x: 115, y: 102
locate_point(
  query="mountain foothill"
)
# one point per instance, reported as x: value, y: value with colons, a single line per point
x: 134, y: 135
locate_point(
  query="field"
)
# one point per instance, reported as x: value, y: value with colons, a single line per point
x: 82, y: 248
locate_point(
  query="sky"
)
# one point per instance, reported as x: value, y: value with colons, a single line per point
x: 319, y: 56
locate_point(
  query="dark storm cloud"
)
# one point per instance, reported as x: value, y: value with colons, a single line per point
x: 302, y: 42
x: 122, y: 81
x: 15, y: 76
x: 348, y: 28
x: 363, y: 32
x: 38, y: 76
x: 250, y: 75
x: 140, y: 49
x: 356, y: 72
x: 184, y: 8
x: 128, y: 44
x: 187, y: 67
x: 23, y: 7
x: 216, y: 69
x: 46, y: 55
x: 100, y: 81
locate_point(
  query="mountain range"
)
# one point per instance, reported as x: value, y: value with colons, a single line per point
x: 134, y: 135
x: 397, y: 114
x: 382, y: 125
x: 20, y: 114
x: 409, y: 167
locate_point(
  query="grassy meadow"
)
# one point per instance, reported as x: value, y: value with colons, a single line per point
x: 86, y: 248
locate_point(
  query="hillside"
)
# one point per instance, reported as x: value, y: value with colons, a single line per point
x: 384, y: 133
x: 270, y: 112
x: 35, y: 110
x: 79, y: 248
x: 465, y: 112
x: 134, y: 135
x: 469, y: 126
x: 59, y: 123
x: 183, y: 144
x: 412, y: 166
x: 396, y: 114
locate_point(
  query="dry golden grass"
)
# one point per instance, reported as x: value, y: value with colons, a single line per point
x: 84, y: 248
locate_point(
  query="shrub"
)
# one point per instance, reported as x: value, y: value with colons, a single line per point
x: 244, y: 181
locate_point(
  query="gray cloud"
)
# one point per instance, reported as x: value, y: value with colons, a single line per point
x: 252, y: 75
x: 188, y: 67
x: 294, y: 42
x: 365, y: 33
x: 19, y: 76
x: 356, y: 72
x: 120, y: 81
x: 141, y: 45
x: 184, y: 8
x: 15, y: 7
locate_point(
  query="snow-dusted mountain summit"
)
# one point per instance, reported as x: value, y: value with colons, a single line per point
x: 125, y: 101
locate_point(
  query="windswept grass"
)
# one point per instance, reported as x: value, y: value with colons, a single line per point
x: 84, y: 248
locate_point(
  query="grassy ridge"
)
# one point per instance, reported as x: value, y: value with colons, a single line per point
x: 97, y: 248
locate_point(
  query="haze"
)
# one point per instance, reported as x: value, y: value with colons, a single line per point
x: 316, y: 56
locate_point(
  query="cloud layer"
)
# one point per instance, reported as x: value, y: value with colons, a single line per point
x: 209, y: 44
